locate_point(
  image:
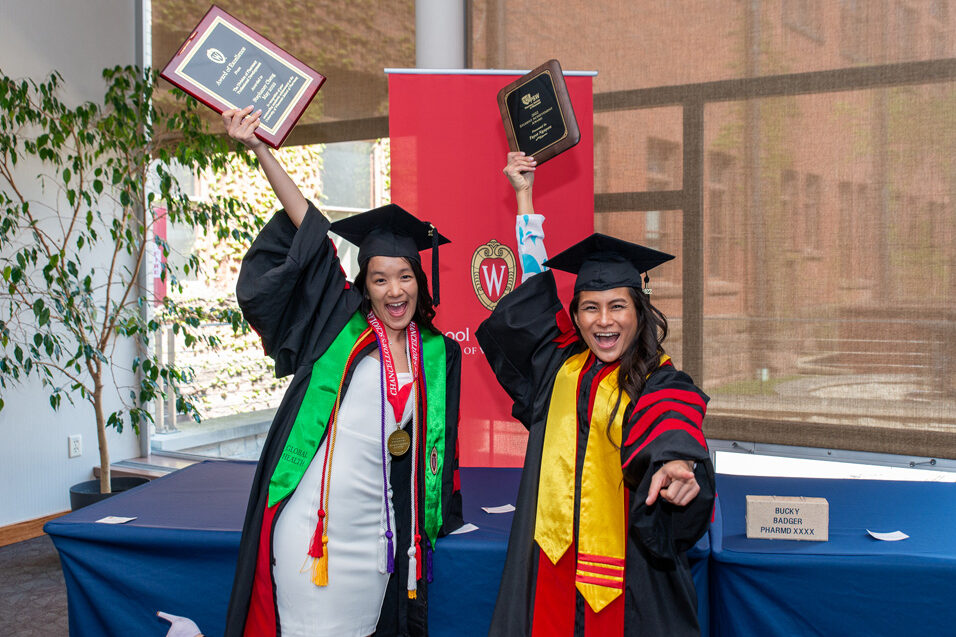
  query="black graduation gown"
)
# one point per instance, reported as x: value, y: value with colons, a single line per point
x: 294, y: 293
x: 526, y: 340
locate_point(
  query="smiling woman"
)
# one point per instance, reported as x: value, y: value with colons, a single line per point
x: 392, y: 290
x: 607, y: 320
x: 598, y: 543
x: 373, y: 403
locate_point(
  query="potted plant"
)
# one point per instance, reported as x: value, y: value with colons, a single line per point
x: 78, y: 313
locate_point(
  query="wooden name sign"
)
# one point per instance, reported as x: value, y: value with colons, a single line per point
x: 771, y: 517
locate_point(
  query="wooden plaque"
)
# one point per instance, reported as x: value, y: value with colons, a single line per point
x: 224, y: 64
x: 537, y: 113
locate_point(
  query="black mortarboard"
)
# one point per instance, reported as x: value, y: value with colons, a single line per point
x: 391, y: 231
x: 603, y: 263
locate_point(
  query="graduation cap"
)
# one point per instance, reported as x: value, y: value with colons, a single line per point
x: 391, y: 231
x: 604, y: 263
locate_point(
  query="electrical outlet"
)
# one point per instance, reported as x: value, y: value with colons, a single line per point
x: 75, y: 447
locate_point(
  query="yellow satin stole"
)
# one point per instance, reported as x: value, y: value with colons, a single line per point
x: 602, y: 534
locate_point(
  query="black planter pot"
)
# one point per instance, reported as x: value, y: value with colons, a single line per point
x: 86, y: 493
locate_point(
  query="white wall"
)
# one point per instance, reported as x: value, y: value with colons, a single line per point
x: 78, y: 38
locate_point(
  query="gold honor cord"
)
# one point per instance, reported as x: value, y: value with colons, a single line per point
x: 600, y: 561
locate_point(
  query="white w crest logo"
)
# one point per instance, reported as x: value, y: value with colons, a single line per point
x: 492, y: 272
x: 494, y: 279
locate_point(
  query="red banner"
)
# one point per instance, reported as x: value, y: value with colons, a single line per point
x: 448, y: 148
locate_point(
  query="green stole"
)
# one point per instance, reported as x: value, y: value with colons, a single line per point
x: 328, y: 374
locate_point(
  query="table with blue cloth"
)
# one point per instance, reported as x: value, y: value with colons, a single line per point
x: 468, y: 566
x: 179, y: 554
x: 850, y: 585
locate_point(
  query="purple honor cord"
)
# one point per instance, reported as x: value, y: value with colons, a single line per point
x: 390, y: 551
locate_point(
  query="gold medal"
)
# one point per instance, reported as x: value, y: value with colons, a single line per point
x: 398, y: 442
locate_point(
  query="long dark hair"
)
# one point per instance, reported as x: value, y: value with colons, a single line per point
x: 424, y: 310
x: 643, y: 355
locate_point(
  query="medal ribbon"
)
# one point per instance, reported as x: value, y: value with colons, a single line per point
x: 396, y: 396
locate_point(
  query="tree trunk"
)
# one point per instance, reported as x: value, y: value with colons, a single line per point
x: 101, y: 438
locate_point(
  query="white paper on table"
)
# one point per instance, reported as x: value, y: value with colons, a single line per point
x: 114, y: 519
x: 466, y: 528
x: 895, y: 536
x: 504, y: 508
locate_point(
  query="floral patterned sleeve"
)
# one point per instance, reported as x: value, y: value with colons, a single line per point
x: 530, y: 232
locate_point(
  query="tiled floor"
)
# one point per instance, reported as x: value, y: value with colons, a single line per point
x: 32, y: 590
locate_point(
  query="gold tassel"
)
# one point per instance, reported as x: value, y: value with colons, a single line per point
x: 412, y: 594
x: 320, y: 566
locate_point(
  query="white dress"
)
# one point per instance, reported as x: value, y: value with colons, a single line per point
x: 351, y: 602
